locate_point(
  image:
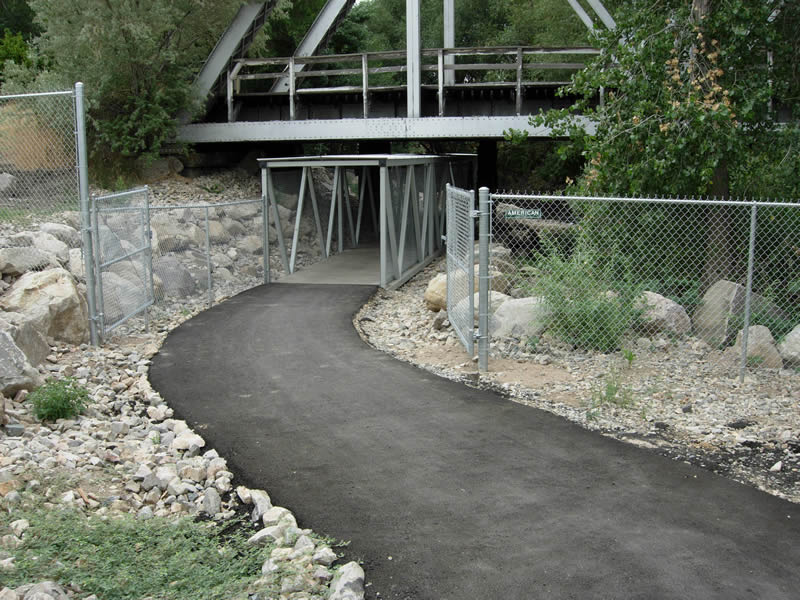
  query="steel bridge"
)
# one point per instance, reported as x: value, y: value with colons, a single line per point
x: 411, y: 94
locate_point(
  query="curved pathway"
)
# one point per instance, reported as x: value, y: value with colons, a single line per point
x: 447, y: 492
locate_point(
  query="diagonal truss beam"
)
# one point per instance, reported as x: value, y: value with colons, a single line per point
x: 325, y: 23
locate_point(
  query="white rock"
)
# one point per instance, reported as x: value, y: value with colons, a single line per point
x: 211, y: 502
x: 348, y: 583
x: 186, y: 440
x: 267, y: 535
x: 324, y: 556
x: 519, y: 317
x: 64, y: 233
x: 278, y: 514
x: 776, y: 467
x: 244, y: 494
x: 50, y: 300
x: 662, y: 315
x: 262, y: 503
x: 789, y: 348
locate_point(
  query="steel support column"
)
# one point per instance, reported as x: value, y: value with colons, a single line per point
x: 449, y: 19
x: 413, y: 60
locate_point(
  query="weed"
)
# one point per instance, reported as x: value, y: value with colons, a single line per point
x: 124, y: 558
x: 629, y: 356
x: 611, y: 391
x: 212, y: 188
x: 532, y: 343
x: 59, y: 399
x: 755, y: 361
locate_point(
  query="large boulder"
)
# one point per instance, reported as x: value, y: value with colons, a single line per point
x: 217, y: 233
x: 121, y: 297
x: 252, y: 244
x: 27, y: 338
x: 436, y: 293
x: 435, y: 296
x: 789, y: 348
x: 722, y: 309
x: 520, y: 318
x: 65, y: 233
x: 172, y: 236
x: 496, y: 299
x: 761, y: 349
x: 8, y: 183
x: 176, y: 279
x: 50, y: 300
x: 16, y: 373
x: 16, y: 261
x: 52, y: 245
x: 662, y: 315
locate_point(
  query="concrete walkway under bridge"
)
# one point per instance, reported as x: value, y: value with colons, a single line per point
x: 397, y: 200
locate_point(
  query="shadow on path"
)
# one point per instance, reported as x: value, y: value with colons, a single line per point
x: 471, y: 495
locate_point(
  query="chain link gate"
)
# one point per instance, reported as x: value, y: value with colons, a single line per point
x: 461, y: 264
x: 122, y: 258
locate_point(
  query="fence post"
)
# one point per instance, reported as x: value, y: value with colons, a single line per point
x: 149, y: 239
x: 483, y: 279
x: 749, y: 291
x: 208, y: 263
x: 86, y: 221
x: 265, y: 224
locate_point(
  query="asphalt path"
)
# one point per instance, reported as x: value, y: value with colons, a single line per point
x: 448, y: 492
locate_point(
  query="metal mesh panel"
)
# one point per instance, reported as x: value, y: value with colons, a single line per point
x: 643, y: 275
x: 461, y: 264
x: 121, y: 257
x: 38, y: 173
x: 205, y: 253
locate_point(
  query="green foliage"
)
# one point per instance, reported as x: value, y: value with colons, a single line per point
x: 629, y: 356
x: 611, y: 391
x: 137, y: 60
x: 591, y: 301
x: 13, y: 48
x: 688, y: 100
x: 17, y: 16
x: 59, y: 399
x: 124, y: 558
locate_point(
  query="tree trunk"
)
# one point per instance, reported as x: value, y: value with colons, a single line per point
x: 718, y: 255
x: 718, y: 258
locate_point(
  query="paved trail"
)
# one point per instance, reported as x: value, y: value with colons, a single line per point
x: 471, y: 495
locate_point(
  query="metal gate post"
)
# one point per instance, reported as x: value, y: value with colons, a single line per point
x: 208, y: 263
x: 265, y: 224
x: 749, y: 291
x: 86, y: 220
x: 484, y: 235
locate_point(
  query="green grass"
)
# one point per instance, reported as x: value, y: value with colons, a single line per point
x: 122, y: 558
x: 59, y: 399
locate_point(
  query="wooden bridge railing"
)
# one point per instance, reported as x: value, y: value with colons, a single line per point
x: 495, y: 60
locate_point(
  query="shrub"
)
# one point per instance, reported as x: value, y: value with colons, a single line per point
x: 587, y: 307
x: 59, y: 399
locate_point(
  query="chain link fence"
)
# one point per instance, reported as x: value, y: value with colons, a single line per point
x: 165, y: 262
x: 717, y: 280
x: 38, y: 156
x: 461, y: 279
x: 122, y: 258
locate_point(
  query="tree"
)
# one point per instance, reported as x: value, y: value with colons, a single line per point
x: 137, y: 59
x: 694, y: 93
x: 17, y: 17
x: 688, y: 95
